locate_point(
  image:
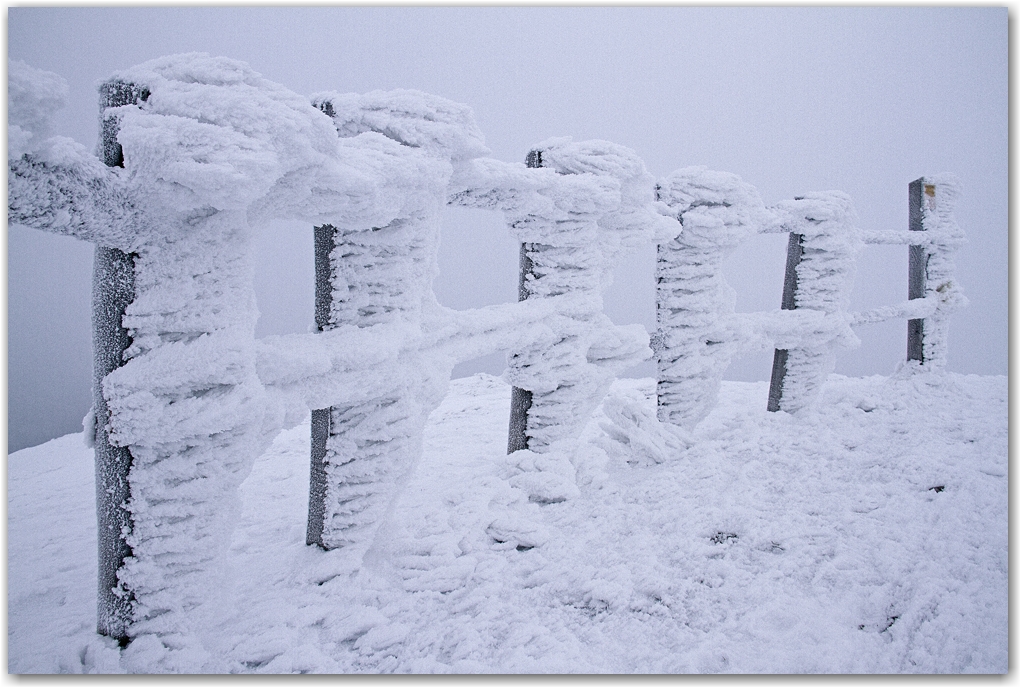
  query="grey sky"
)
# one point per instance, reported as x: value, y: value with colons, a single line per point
x: 861, y: 100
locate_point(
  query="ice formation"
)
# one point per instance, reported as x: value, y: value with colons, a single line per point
x: 210, y: 151
x: 693, y: 302
x: 574, y: 211
x: 944, y: 237
x: 382, y: 277
x: 699, y: 333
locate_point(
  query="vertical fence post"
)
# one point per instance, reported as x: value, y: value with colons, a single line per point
x: 520, y: 399
x: 325, y: 240
x: 920, y: 192
x: 794, y: 252
x: 113, y: 289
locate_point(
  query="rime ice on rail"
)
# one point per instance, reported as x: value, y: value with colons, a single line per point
x: 199, y: 153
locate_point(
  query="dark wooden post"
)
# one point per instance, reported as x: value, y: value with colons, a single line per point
x: 520, y: 399
x: 325, y: 240
x: 113, y: 289
x: 919, y: 193
x: 794, y: 252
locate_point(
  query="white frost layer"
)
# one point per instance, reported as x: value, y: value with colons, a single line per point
x: 699, y: 333
x: 827, y: 223
x: 844, y: 557
x: 693, y: 302
x: 440, y: 127
x: 575, y: 213
x: 211, y: 151
x: 381, y: 279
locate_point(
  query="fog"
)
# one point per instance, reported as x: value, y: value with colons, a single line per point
x: 862, y: 100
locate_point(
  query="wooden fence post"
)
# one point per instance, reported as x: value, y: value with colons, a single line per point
x: 325, y: 240
x: 919, y: 193
x: 794, y: 252
x: 113, y: 289
x: 520, y: 399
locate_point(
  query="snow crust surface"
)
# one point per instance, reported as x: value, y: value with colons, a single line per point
x: 869, y: 536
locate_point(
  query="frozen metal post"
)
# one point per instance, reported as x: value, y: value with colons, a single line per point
x: 113, y: 289
x: 794, y: 252
x: 919, y: 193
x: 325, y: 240
x: 520, y: 399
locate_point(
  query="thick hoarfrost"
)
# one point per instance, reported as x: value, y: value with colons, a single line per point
x: 827, y: 226
x: 694, y: 304
x: 699, y: 332
x: 211, y: 151
x: 583, y: 204
x: 216, y: 148
x: 378, y: 278
x: 574, y: 208
x: 55, y: 183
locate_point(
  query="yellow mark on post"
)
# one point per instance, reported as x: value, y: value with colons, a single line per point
x: 929, y: 190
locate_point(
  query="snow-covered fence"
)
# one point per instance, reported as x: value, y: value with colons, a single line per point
x: 699, y: 332
x: 200, y: 152
x: 363, y: 450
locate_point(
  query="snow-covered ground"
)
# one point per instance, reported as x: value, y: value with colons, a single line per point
x: 868, y: 535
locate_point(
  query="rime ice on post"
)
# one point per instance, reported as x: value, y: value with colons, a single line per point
x: 828, y: 242
x: 694, y: 345
x: 932, y: 273
x: 382, y: 277
x: 520, y: 399
x: 213, y: 148
x: 113, y: 290
x: 55, y: 185
x: 601, y: 203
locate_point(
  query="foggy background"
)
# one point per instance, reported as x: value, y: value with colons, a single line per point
x: 862, y: 100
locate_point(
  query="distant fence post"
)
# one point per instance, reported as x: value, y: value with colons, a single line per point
x: 794, y: 252
x: 922, y: 206
x: 113, y: 290
x: 520, y: 399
